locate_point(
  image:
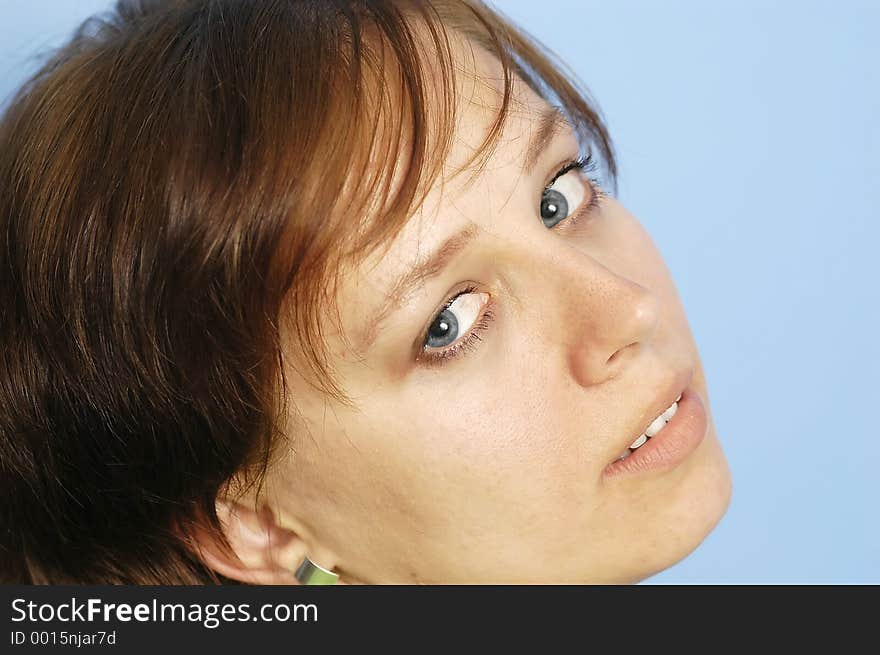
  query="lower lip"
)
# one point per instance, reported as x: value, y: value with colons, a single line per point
x: 672, y: 445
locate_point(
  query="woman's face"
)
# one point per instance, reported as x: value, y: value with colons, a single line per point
x: 495, y: 463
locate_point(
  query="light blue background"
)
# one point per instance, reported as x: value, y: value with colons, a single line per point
x: 748, y: 135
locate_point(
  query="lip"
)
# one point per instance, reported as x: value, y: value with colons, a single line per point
x: 678, y: 439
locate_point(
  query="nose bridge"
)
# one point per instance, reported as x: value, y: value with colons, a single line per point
x: 603, y: 317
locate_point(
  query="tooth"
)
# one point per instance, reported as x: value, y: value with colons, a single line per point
x: 669, y: 413
x: 638, y: 442
x: 656, y: 425
x: 679, y: 398
x: 625, y: 454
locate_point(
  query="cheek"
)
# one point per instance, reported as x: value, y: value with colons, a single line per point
x: 622, y: 244
x: 508, y: 441
x: 619, y: 241
x: 499, y: 419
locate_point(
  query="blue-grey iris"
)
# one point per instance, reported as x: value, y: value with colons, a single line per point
x: 554, y: 207
x: 443, y: 331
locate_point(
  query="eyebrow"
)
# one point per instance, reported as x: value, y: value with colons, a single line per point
x: 425, y: 269
x: 551, y: 122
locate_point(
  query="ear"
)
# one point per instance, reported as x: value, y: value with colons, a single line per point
x: 264, y: 552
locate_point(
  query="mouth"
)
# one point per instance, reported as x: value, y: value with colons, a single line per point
x: 653, y: 429
x: 670, y: 430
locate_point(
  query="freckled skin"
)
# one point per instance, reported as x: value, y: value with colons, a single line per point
x: 489, y: 468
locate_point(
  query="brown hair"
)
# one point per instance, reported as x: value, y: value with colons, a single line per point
x: 175, y: 189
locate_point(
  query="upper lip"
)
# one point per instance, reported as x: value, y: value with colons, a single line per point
x: 661, y: 403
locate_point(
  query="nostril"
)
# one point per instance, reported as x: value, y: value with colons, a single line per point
x: 616, y: 355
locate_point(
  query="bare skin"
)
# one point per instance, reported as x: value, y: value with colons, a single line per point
x: 490, y: 467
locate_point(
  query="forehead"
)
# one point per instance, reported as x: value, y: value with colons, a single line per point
x: 478, y: 100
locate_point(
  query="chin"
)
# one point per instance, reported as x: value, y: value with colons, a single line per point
x: 708, y: 500
x: 698, y: 506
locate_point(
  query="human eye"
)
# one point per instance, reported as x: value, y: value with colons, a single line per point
x: 564, y: 195
x: 456, y: 327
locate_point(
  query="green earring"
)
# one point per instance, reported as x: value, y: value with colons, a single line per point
x: 314, y: 574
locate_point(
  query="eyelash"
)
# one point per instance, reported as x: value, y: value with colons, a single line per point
x: 586, y: 165
x: 470, y: 341
x: 467, y: 342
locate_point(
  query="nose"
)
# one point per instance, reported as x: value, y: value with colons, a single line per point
x: 606, y: 318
